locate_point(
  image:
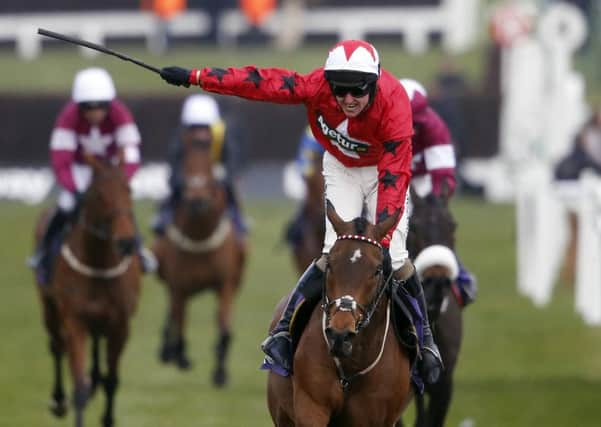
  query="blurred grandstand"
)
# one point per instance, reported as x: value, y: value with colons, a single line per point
x: 455, y: 21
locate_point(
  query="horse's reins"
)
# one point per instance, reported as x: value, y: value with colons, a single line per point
x: 212, y: 242
x: 102, y: 234
x: 348, y: 303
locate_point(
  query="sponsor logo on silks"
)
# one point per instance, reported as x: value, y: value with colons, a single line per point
x: 339, y: 137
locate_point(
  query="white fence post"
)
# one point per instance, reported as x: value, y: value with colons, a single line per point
x: 587, y: 299
x: 541, y: 234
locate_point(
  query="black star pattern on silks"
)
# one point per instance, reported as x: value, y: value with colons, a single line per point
x: 254, y: 76
x: 390, y: 146
x: 219, y: 73
x: 383, y: 215
x: 389, y: 179
x: 289, y: 83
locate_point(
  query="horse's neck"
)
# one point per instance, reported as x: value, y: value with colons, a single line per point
x: 90, y: 249
x: 198, y: 226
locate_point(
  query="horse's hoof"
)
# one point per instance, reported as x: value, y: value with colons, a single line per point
x: 219, y: 377
x: 58, y: 409
x: 184, y: 364
x: 165, y: 355
x: 107, y: 421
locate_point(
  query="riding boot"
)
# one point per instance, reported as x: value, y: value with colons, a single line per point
x: 430, y: 364
x: 278, y: 345
x: 235, y: 212
x: 164, y: 216
x: 56, y: 224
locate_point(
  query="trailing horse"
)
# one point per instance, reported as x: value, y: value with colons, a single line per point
x: 199, y: 251
x: 93, y: 290
x: 305, y: 232
x: 349, y: 369
x: 432, y: 237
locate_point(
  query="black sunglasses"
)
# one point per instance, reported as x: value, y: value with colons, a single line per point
x: 355, y: 91
x: 93, y: 105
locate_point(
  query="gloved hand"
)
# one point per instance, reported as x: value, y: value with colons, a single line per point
x: 176, y: 76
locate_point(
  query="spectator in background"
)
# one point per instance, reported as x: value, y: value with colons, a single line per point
x: 585, y: 154
x: 586, y: 151
x: 199, y: 113
x: 256, y: 12
x: 165, y: 11
x: 93, y: 122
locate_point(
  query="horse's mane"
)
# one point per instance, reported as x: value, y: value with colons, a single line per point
x: 360, y: 224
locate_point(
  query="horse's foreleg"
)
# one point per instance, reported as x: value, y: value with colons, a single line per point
x: 440, y: 399
x: 224, y: 319
x: 308, y: 413
x: 114, y: 347
x: 178, y: 321
x: 56, y: 344
x: 421, y: 417
x: 167, y: 349
x: 95, y: 375
x: 76, y: 348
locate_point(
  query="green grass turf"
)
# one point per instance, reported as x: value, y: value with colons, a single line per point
x: 519, y: 366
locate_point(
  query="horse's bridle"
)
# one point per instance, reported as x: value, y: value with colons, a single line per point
x: 347, y: 303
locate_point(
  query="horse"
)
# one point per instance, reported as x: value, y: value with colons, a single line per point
x: 199, y: 252
x: 432, y: 223
x: 306, y: 232
x: 348, y: 369
x: 93, y: 290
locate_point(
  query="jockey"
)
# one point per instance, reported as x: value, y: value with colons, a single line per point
x: 93, y: 122
x: 201, y: 113
x: 309, y: 150
x: 433, y: 164
x: 361, y: 115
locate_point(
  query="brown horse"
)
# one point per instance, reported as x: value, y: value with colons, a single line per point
x: 432, y: 223
x: 93, y: 290
x: 199, y: 251
x: 349, y: 368
x: 308, y: 242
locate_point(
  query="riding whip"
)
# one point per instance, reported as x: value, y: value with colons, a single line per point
x: 97, y: 47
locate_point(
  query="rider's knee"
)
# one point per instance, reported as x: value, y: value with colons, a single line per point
x: 405, y: 272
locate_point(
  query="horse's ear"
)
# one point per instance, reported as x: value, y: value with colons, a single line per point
x: 445, y: 191
x: 334, y: 218
x: 415, y: 198
x: 385, y: 225
x: 91, y: 160
x: 120, y: 159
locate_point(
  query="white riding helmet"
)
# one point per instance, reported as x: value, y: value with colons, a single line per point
x: 411, y: 86
x: 93, y: 85
x: 200, y: 110
x: 353, y: 55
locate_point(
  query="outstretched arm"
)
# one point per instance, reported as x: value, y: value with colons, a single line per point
x: 261, y: 84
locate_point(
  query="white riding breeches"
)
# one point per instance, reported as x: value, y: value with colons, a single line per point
x: 352, y: 189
